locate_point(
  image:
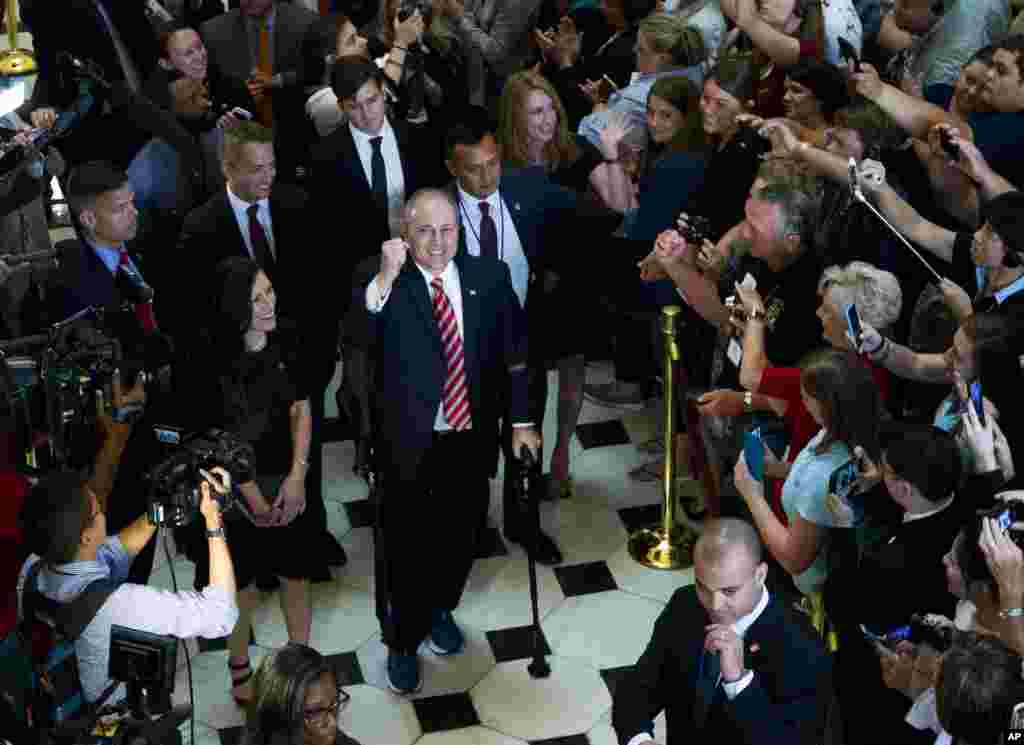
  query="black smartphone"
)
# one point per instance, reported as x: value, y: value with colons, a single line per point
x: 848, y: 53
x: 978, y: 401
x: 951, y: 148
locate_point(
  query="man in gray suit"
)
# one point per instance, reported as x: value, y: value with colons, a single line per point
x: 277, y: 50
x: 496, y: 31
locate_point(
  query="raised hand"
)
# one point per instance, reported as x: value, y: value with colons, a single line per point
x: 394, y: 253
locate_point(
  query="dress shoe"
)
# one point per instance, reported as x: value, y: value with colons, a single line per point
x: 404, y: 673
x: 544, y: 550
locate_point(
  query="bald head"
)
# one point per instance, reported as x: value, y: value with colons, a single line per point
x: 431, y: 228
x: 726, y: 536
x: 727, y: 569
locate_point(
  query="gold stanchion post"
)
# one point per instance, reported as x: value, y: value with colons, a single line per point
x: 15, y: 62
x: 669, y: 545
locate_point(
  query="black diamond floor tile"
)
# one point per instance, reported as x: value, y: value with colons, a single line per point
x: 602, y: 434
x: 570, y: 740
x: 230, y: 735
x: 641, y: 516
x: 515, y: 643
x: 346, y: 669
x: 614, y: 675
x: 360, y: 513
x: 443, y: 713
x: 490, y: 544
x: 583, y: 579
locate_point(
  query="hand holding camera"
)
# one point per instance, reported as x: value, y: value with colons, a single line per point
x: 214, y: 489
x: 999, y: 545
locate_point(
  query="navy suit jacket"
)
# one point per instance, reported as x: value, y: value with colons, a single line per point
x: 785, y: 704
x: 84, y: 280
x: 411, y: 367
x: 536, y: 205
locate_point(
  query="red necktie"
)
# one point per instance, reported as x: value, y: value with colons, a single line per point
x: 456, y: 389
x: 143, y: 311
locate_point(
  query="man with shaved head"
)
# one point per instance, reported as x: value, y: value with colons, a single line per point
x: 451, y: 363
x: 727, y: 662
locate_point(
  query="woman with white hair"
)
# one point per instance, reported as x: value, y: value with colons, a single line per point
x: 878, y: 299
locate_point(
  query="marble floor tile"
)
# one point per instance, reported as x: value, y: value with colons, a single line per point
x: 586, y: 532
x: 378, y: 717
x: 339, y: 624
x: 340, y: 483
x: 359, y: 571
x: 204, y: 735
x: 338, y: 522
x: 184, y: 573
x: 497, y: 594
x: 604, y: 629
x: 656, y: 584
x: 571, y: 700
x: 441, y: 675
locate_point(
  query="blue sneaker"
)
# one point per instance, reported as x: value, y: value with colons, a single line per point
x: 404, y: 673
x: 445, y: 637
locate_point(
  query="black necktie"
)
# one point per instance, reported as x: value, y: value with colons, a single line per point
x: 260, y: 245
x: 379, y: 176
x: 707, y: 687
x: 488, y: 233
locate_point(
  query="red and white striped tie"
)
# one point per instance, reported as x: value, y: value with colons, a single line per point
x: 456, y: 388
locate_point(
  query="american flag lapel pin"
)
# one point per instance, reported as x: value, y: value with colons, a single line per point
x: 472, y: 292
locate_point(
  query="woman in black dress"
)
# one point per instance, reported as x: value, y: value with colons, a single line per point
x: 255, y: 394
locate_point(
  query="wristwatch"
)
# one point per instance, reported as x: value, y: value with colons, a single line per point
x: 215, y: 532
x: 748, y: 403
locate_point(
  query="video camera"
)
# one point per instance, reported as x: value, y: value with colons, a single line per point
x: 174, y: 482
x: 920, y: 630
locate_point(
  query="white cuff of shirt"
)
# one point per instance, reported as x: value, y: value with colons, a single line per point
x: 522, y: 424
x: 374, y: 299
x: 732, y: 690
x: 642, y: 737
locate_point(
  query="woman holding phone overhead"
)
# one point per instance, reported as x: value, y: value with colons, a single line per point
x: 841, y: 396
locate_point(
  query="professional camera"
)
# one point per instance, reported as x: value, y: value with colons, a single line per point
x: 174, y: 483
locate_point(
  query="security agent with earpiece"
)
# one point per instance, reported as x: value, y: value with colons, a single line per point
x: 728, y: 662
x: 66, y: 529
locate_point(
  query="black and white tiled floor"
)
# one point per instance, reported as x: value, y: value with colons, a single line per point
x: 597, y: 611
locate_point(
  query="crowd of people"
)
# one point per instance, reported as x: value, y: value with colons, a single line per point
x: 453, y: 198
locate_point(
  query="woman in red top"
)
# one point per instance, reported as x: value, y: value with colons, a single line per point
x: 878, y: 298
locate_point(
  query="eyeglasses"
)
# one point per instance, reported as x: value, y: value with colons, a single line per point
x: 320, y: 716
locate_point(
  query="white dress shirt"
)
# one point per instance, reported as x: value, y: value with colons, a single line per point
x: 375, y: 301
x: 241, y: 209
x: 734, y: 689
x: 510, y: 249
x: 392, y: 167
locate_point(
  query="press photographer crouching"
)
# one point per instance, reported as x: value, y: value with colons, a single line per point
x: 66, y: 530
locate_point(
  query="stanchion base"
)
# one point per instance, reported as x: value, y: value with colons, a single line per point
x: 653, y: 548
x: 15, y: 62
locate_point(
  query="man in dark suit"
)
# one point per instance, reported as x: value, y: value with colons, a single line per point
x: 727, y: 662
x: 270, y: 222
x: 277, y: 50
x: 367, y: 166
x: 508, y: 216
x: 371, y: 164
x: 450, y: 364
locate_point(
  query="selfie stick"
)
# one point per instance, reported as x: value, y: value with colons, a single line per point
x: 858, y: 194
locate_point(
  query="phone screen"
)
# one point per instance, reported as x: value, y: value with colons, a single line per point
x: 753, y: 453
x: 978, y: 400
x: 1005, y: 519
x: 853, y: 322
